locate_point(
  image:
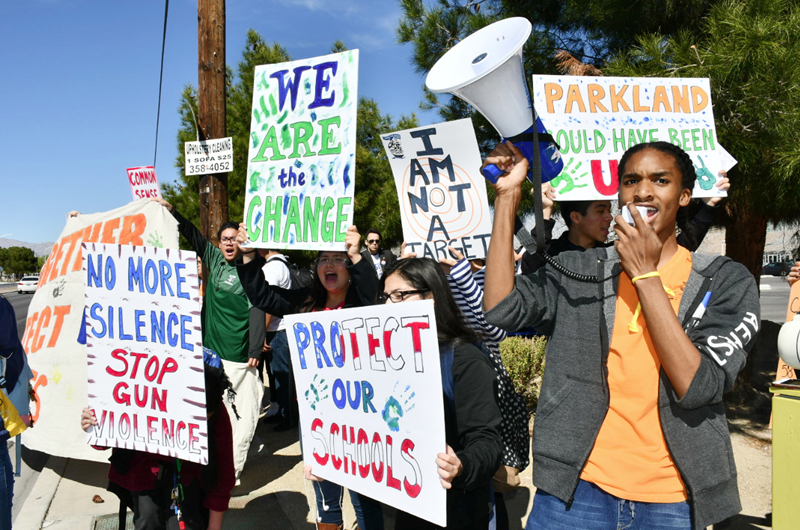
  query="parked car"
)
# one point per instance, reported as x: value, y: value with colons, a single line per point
x: 779, y: 268
x: 27, y: 284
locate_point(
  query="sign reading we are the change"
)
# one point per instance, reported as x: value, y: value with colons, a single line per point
x: 301, y: 161
x: 369, y: 390
x: 441, y: 190
x: 596, y: 119
x: 145, y: 353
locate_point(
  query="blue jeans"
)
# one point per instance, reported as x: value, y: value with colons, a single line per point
x: 281, y: 367
x: 594, y: 509
x: 6, y: 487
x: 329, y: 506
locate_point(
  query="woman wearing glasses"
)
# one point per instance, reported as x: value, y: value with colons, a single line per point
x: 342, y: 280
x: 471, y: 414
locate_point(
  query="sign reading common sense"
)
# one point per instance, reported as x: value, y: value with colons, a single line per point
x: 301, y: 160
x: 145, y: 354
x: 369, y: 390
x: 596, y: 119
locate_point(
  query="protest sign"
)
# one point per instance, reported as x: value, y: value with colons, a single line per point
x: 144, y: 183
x: 302, y: 157
x: 369, y: 390
x: 596, y: 119
x: 441, y: 190
x: 145, y: 351
x: 208, y: 156
x: 55, y: 319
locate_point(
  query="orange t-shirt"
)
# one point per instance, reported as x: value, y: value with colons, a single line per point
x: 630, y: 459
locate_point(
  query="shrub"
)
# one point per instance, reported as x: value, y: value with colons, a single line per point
x: 524, y: 360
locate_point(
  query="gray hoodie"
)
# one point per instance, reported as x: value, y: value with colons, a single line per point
x: 579, y: 318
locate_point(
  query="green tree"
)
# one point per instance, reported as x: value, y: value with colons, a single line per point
x: 749, y: 51
x: 17, y: 260
x: 375, y: 196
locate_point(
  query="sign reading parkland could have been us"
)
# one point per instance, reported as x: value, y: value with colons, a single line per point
x: 302, y: 153
x: 145, y: 354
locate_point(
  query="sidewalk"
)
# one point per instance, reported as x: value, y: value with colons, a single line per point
x: 273, y: 494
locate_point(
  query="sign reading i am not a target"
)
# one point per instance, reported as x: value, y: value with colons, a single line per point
x: 441, y: 190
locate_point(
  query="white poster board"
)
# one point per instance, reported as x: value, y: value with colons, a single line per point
x: 208, y: 156
x: 145, y: 351
x: 441, y: 190
x: 55, y: 320
x: 369, y: 390
x: 301, y: 162
x: 595, y: 120
x: 144, y: 182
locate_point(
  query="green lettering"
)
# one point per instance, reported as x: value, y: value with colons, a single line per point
x: 328, y: 136
x: 685, y: 140
x: 303, y: 132
x: 673, y: 137
x: 708, y: 140
x: 327, y: 226
x: 619, y: 141
x: 599, y: 141
x: 653, y: 135
x: 272, y: 215
x: 696, y: 140
x: 632, y: 138
x: 310, y: 218
x: 292, y: 218
x: 270, y: 141
x: 341, y: 217
x: 253, y: 231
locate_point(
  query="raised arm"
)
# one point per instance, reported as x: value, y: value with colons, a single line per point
x: 195, y: 238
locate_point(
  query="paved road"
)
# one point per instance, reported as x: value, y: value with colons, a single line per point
x: 774, y: 298
x: 32, y: 461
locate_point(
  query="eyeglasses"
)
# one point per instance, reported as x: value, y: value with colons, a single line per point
x: 370, y: 241
x: 399, y: 296
x: 230, y: 240
x: 332, y: 261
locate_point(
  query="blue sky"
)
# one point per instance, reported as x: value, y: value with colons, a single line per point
x: 79, y: 89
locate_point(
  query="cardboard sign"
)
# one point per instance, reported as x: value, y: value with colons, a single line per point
x: 302, y: 157
x: 596, y: 119
x: 145, y: 351
x: 441, y: 190
x: 208, y: 156
x: 144, y: 183
x: 369, y: 389
x: 55, y: 320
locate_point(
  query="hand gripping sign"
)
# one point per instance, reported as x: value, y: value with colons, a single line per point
x: 369, y: 389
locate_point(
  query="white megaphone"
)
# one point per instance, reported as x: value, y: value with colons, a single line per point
x: 789, y: 342
x: 486, y: 71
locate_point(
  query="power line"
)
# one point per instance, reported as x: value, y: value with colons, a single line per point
x: 161, y: 78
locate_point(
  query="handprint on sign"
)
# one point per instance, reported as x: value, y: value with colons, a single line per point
x: 705, y: 178
x: 317, y: 392
x: 565, y: 182
x: 397, y: 407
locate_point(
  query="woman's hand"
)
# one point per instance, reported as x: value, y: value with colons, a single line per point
x: 404, y: 254
x: 352, y: 243
x: 87, y: 419
x: 243, y: 240
x: 311, y: 476
x: 723, y: 184
x: 449, y: 467
x: 639, y: 247
x: 163, y: 203
x: 794, y: 273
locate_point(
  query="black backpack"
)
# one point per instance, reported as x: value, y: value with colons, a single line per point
x: 301, y: 277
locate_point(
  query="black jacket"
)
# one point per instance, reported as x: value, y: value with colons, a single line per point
x: 387, y: 258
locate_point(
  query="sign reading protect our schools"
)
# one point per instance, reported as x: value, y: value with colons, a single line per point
x: 144, y: 182
x: 208, y: 156
x: 441, y: 190
x: 369, y: 390
x: 596, y: 119
x: 145, y: 353
x: 301, y: 160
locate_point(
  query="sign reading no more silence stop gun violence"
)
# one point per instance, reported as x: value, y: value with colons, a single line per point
x: 441, y: 190
x: 596, y: 119
x: 369, y: 390
x: 301, y: 160
x: 145, y: 354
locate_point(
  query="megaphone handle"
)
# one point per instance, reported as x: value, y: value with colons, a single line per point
x: 491, y: 173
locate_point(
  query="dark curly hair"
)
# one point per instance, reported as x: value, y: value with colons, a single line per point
x: 688, y: 176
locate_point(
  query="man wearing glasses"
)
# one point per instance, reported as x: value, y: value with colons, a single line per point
x: 374, y: 254
x: 226, y: 325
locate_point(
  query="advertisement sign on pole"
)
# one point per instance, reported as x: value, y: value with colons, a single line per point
x: 145, y: 352
x: 302, y: 156
x: 208, y: 156
x: 369, y: 390
x: 441, y: 190
x: 596, y: 119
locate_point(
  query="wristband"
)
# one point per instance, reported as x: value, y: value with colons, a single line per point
x: 643, y: 276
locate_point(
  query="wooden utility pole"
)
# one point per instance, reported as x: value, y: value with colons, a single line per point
x: 211, y: 109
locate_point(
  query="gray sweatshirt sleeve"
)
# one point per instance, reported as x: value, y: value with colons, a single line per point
x: 532, y: 303
x: 724, y: 334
